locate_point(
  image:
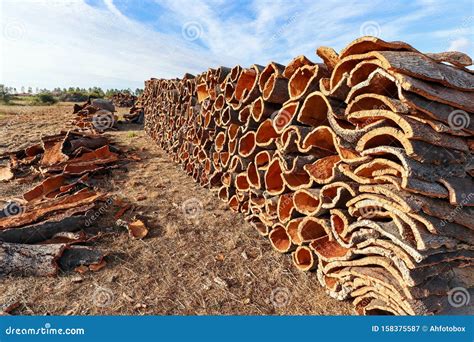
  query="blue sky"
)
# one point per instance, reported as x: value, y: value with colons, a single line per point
x: 119, y: 44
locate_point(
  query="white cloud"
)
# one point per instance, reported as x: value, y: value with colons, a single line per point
x: 50, y: 43
x: 71, y: 43
x: 461, y: 44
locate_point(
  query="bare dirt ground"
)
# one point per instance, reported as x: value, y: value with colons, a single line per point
x: 212, y: 264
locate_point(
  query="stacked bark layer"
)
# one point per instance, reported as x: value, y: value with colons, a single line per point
x: 40, y: 232
x: 361, y: 167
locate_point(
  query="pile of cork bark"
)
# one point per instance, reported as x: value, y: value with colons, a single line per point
x: 123, y: 99
x: 42, y: 232
x: 360, y: 167
x: 95, y: 115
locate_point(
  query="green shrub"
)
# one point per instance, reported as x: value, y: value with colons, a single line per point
x: 44, y: 99
x: 74, y: 97
x: 5, y: 97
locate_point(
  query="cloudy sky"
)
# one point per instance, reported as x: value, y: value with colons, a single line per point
x: 120, y: 43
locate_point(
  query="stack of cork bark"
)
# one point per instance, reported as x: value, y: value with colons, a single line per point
x: 360, y: 167
x: 123, y: 99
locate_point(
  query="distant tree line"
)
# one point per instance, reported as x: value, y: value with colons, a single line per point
x: 76, y: 94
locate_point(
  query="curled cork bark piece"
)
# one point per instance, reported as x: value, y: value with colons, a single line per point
x: 373, y: 101
x: 273, y: 85
x: 271, y: 69
x: 262, y: 110
x: 304, y: 259
x: 293, y: 173
x: 378, y: 82
x: 457, y: 99
x: 246, y: 89
x: 325, y: 170
x: 315, y: 108
x: 437, y: 110
x: 336, y: 195
x: 369, y: 43
x: 424, y: 96
x: 35, y: 213
x: 307, y: 202
x: 321, y: 142
x: 311, y: 228
x: 291, y: 138
x: 412, y: 129
x: 274, y: 183
x: 414, y: 203
x: 415, y: 168
x: 306, y: 80
x: 266, y: 135
x: 418, y: 150
x: 455, y: 58
x: 408, y: 63
x: 329, y: 56
x: 417, y: 65
x: 280, y: 240
x: 295, y: 64
x: 461, y: 190
x: 292, y: 230
x: 286, y: 116
x: 340, y: 91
